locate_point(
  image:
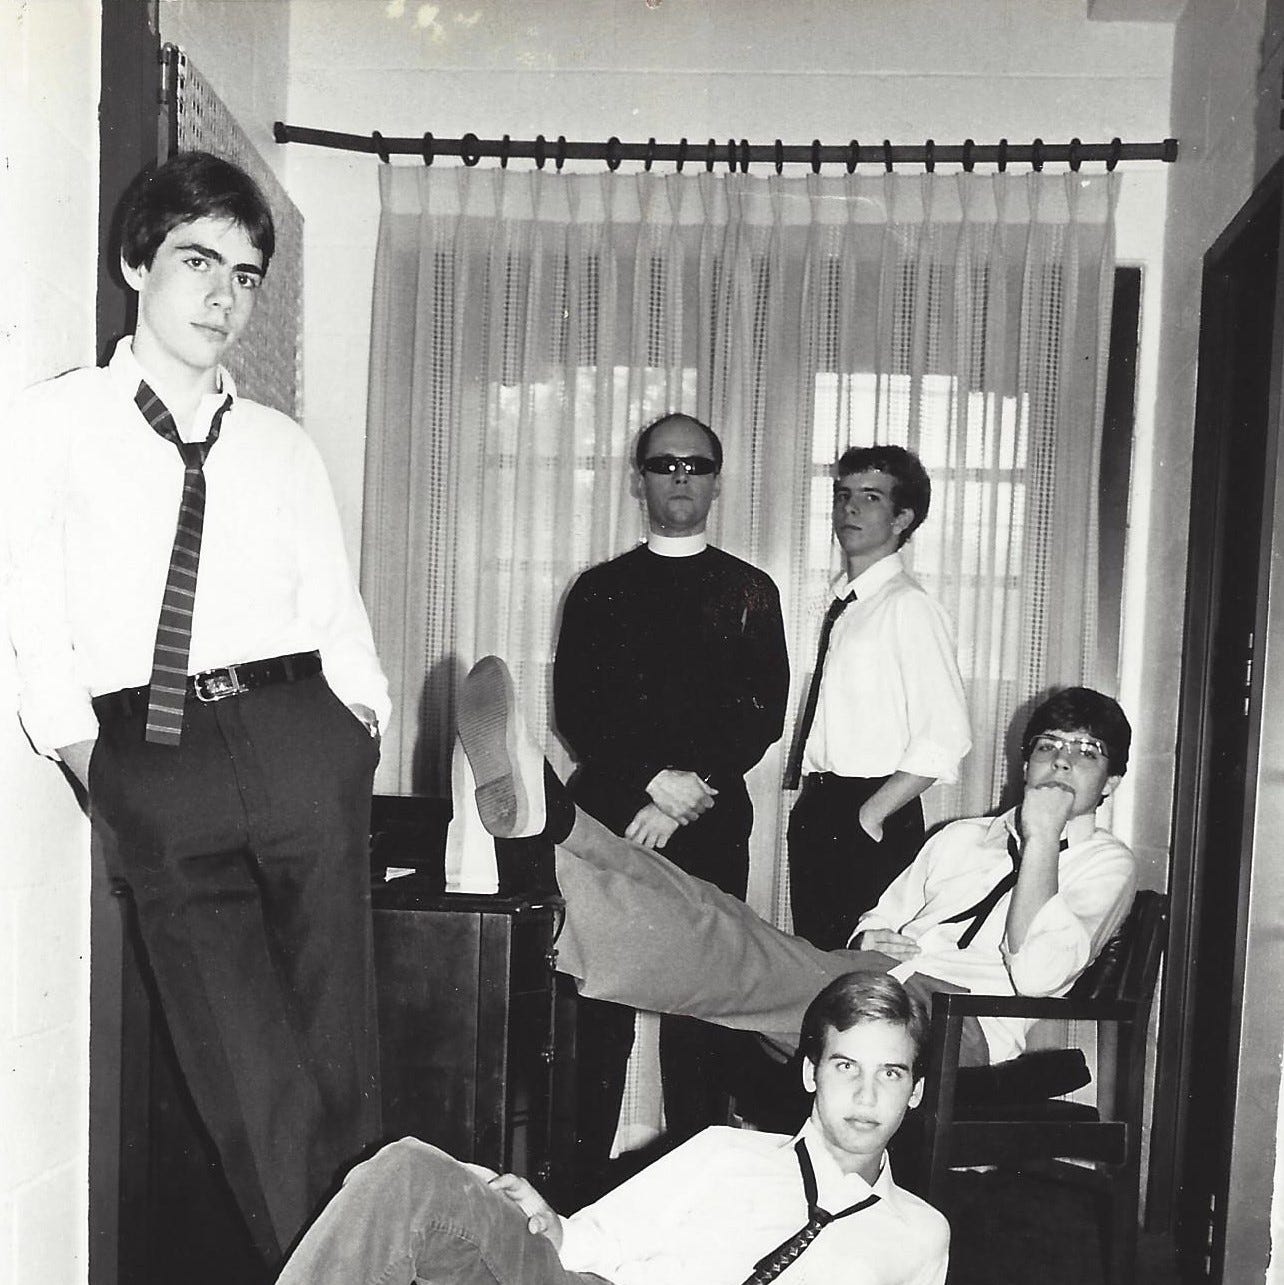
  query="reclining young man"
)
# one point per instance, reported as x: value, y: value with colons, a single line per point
x: 1016, y: 904
x: 728, y: 1206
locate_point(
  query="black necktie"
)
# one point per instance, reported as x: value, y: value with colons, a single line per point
x: 168, y: 687
x: 771, y: 1265
x: 794, y: 773
x: 980, y: 912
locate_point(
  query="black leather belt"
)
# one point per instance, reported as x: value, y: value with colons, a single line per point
x: 218, y: 684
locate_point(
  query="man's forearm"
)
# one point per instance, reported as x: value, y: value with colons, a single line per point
x: 899, y: 789
x: 1036, y: 885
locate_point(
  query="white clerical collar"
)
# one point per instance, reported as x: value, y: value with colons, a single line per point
x: 677, y: 546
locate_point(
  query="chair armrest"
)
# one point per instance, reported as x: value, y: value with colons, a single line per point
x: 1034, y: 1006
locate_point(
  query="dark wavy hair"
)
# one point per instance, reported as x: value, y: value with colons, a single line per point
x: 1082, y: 708
x: 644, y: 437
x: 863, y: 997
x: 911, y: 487
x: 191, y: 186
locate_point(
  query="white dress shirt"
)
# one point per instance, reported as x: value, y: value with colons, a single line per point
x: 891, y: 699
x: 89, y: 497
x: 957, y: 866
x: 708, y: 1211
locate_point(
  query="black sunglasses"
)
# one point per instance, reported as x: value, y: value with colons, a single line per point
x: 695, y: 465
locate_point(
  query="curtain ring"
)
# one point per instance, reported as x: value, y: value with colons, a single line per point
x: 731, y: 156
x: 560, y: 159
x: 780, y: 156
x: 505, y: 146
x: 1075, y: 159
x: 744, y: 156
x: 853, y: 156
x: 681, y: 158
x: 540, y: 156
x: 650, y: 155
x: 710, y: 153
x: 887, y: 154
x: 968, y: 162
x: 381, y: 148
x: 1116, y: 147
x: 815, y: 156
x: 469, y: 150
x: 612, y: 153
x: 428, y: 149
x: 929, y: 156
x: 1036, y: 156
x: 1003, y: 155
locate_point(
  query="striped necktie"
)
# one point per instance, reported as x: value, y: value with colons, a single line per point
x: 771, y: 1265
x: 168, y: 687
x: 794, y: 773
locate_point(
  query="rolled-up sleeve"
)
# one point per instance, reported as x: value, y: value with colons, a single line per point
x: 939, y: 733
x: 53, y: 700
x: 1070, y: 928
x: 328, y: 597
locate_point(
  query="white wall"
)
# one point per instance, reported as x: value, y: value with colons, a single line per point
x: 1228, y: 60
x: 241, y: 49
x: 48, y: 262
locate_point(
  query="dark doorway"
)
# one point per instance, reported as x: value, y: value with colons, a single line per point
x: 1195, y: 1087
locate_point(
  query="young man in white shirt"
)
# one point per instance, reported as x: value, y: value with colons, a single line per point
x: 191, y: 645
x: 725, y: 1208
x: 1018, y: 904
x: 885, y: 715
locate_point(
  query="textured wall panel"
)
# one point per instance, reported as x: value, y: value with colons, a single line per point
x: 267, y: 362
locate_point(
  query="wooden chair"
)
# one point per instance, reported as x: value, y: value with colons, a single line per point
x: 969, y: 1119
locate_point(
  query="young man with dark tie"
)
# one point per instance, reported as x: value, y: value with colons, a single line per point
x: 191, y: 645
x: 728, y: 1207
x: 884, y: 717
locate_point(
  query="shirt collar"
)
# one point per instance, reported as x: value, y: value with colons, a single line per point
x: 1078, y: 829
x: 126, y: 373
x: 871, y: 578
x: 836, y: 1190
x: 677, y: 546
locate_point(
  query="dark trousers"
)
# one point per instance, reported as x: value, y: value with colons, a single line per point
x: 693, y: 1054
x: 836, y: 871
x: 246, y: 852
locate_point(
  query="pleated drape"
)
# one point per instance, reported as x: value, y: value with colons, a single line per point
x: 526, y: 325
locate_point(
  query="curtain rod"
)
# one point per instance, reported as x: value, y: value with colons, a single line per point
x: 734, y: 153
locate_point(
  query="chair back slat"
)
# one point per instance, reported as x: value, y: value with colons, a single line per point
x: 1128, y: 963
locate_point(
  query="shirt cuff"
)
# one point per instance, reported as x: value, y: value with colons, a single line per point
x: 70, y: 724
x: 582, y: 1245
x: 1055, y: 950
x: 939, y: 762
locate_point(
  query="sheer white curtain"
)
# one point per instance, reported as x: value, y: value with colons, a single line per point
x: 526, y: 324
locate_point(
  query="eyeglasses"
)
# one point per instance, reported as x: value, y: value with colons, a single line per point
x: 1085, y: 749
x: 695, y: 465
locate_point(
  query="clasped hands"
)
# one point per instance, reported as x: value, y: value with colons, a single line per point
x: 678, y: 797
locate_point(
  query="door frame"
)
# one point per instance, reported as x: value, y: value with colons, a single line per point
x: 1241, y: 1232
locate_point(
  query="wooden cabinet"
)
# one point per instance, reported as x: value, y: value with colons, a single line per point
x: 468, y: 1028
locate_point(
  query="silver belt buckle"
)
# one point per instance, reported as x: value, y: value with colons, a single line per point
x: 216, y: 685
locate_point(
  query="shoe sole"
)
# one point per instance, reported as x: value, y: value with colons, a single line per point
x: 488, y: 728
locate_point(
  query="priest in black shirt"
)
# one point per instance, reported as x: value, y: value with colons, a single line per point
x: 670, y: 682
